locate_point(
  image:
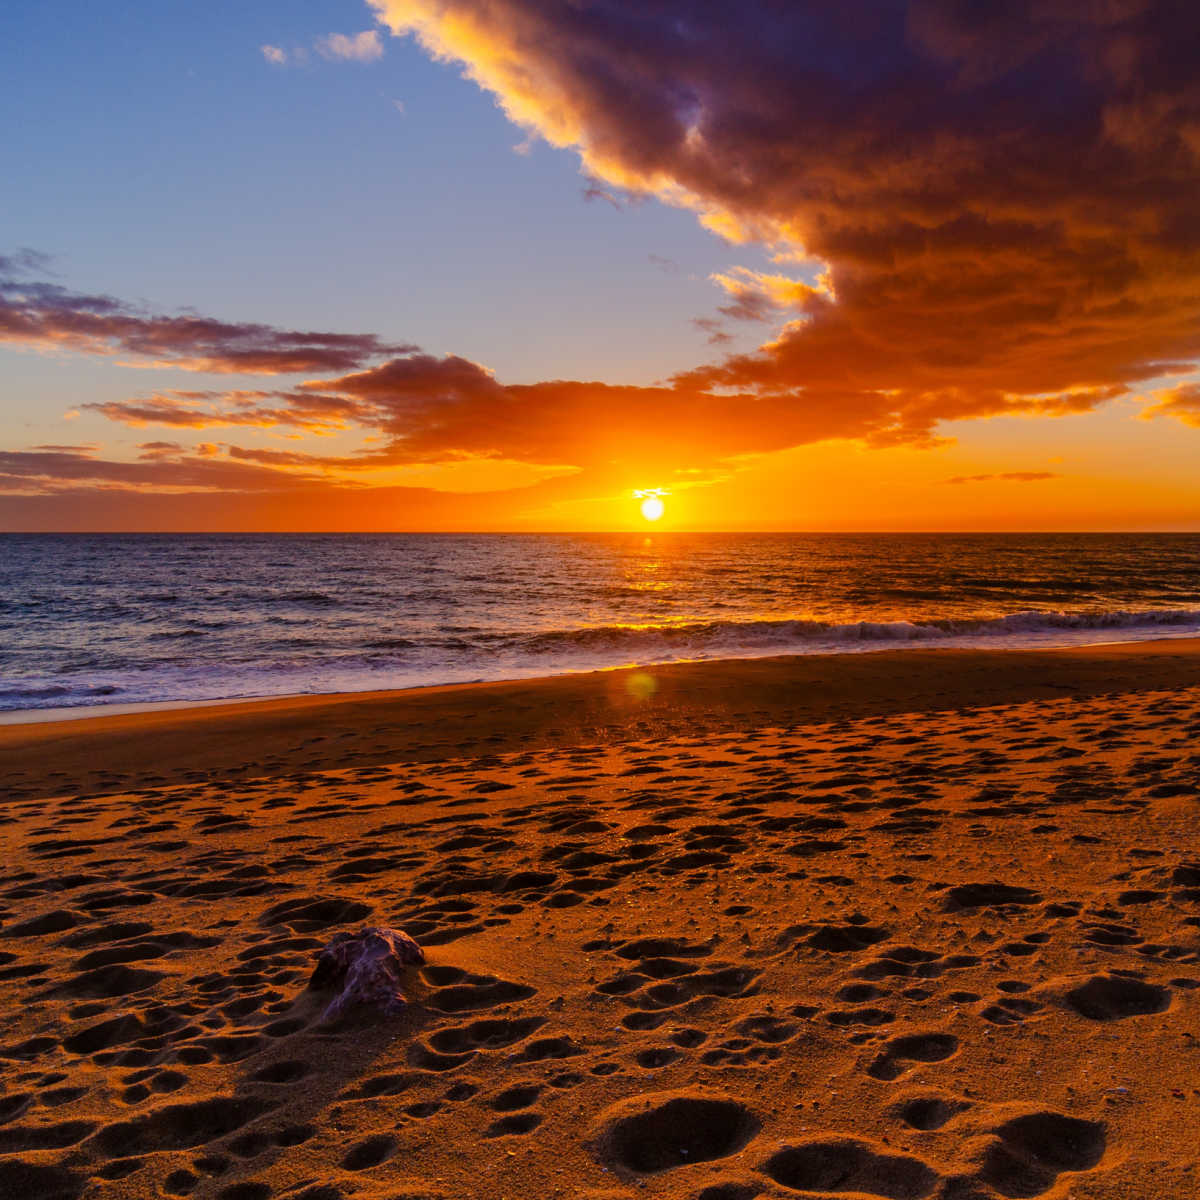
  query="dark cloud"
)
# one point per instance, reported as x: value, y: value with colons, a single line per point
x: 24, y: 262
x: 162, y: 465
x: 597, y: 191
x: 1006, y: 476
x: 714, y: 332
x: 417, y: 379
x: 208, y: 410
x: 36, y: 313
x: 1005, y: 196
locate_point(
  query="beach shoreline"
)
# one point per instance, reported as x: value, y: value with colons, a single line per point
x: 80, y: 712
x: 320, y: 732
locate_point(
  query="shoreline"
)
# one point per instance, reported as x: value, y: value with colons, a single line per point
x: 80, y: 712
x: 313, y: 733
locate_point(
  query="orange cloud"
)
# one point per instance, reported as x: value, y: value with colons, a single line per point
x: 182, y: 410
x: 1182, y: 402
x: 1004, y: 198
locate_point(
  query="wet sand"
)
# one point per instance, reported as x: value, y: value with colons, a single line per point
x: 922, y: 924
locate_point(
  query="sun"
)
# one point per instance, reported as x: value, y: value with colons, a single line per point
x: 652, y: 503
x: 653, y: 508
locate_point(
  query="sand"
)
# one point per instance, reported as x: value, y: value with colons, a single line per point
x: 907, y: 925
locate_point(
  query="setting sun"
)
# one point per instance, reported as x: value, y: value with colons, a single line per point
x: 652, y: 504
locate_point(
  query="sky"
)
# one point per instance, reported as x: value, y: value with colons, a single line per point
x: 500, y: 264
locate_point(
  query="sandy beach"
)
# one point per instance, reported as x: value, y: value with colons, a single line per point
x: 902, y: 925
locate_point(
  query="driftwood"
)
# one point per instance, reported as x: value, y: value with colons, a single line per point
x: 367, y: 968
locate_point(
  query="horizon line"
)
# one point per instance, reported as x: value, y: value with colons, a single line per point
x: 589, y: 532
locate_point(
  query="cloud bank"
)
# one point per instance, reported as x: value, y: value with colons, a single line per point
x: 46, y: 316
x: 1004, y: 196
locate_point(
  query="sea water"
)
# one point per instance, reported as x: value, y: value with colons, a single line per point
x: 135, y: 619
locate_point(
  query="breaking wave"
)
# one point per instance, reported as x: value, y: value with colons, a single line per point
x: 99, y: 619
x: 799, y: 636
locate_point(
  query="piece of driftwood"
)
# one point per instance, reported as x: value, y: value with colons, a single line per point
x: 366, y: 968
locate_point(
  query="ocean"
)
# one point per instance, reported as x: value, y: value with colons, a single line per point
x: 103, y: 619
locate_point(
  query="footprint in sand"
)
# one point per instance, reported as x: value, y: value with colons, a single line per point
x: 1115, y: 997
x: 653, y: 1133
x: 901, y: 1054
x: 849, y: 1165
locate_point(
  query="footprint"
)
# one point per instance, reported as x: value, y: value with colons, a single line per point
x: 1010, y: 1010
x: 287, y: 1071
x: 763, y: 1028
x: 520, y: 1095
x: 484, y: 1035
x: 543, y: 1049
x: 180, y: 1126
x: 662, y: 947
x: 989, y: 895
x: 902, y: 1053
x: 309, y: 914
x: 656, y: 1057
x: 103, y: 935
x: 14, y: 1138
x: 1114, y: 997
x: 110, y: 982
x: 476, y: 992
x: 843, y: 939
x: 727, y: 982
x: 370, y: 1152
x: 1031, y: 1151
x: 732, y: 1189
x: 20, y: 1178
x: 514, y: 1125
x: 848, y: 1165
x: 52, y: 922
x: 928, y: 1112
x: 658, y: 1132
x: 247, y: 1190
x: 860, y: 1016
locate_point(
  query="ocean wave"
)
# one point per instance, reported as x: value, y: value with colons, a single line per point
x: 39, y: 696
x: 709, y: 636
x: 316, y: 599
x: 32, y: 692
x: 435, y: 660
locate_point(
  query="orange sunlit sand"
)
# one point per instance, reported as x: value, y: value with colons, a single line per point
x: 804, y: 919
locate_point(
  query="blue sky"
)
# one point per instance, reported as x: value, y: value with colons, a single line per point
x: 163, y: 159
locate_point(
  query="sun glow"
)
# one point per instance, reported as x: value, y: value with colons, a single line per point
x: 652, y: 503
